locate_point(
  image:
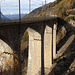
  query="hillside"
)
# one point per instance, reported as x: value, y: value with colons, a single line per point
x: 3, y: 18
x: 62, y: 8
x: 14, y: 16
x: 34, y: 12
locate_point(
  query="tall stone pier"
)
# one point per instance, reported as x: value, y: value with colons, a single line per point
x: 54, y: 40
x: 48, y: 48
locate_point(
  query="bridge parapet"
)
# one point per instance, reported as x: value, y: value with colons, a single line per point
x: 28, y: 20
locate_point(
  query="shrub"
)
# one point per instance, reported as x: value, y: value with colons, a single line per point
x: 73, y: 5
x: 64, y: 14
x: 25, y: 37
x: 58, y: 1
x: 60, y: 8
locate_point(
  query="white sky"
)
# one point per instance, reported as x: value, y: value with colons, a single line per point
x: 11, y: 6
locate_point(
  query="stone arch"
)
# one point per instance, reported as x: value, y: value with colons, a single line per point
x: 36, y: 47
x: 34, y: 56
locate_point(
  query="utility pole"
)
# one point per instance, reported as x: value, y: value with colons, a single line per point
x: 50, y: 10
x: 29, y: 6
x: 19, y: 12
x: 42, y: 3
x: 45, y: 8
x: 42, y: 7
x: 45, y: 2
x: 0, y: 10
x: 19, y: 55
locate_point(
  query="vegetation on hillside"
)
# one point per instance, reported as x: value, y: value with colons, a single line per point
x: 25, y: 37
x: 61, y: 8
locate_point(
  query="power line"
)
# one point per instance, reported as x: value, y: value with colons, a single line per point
x: 45, y: 8
x: 29, y: 6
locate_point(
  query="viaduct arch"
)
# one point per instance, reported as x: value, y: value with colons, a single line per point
x: 42, y: 33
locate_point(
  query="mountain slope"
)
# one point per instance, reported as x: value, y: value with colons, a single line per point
x: 33, y: 13
x: 14, y: 16
x: 62, y: 8
x: 3, y: 18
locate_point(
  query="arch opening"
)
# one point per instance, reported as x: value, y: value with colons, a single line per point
x: 24, y: 52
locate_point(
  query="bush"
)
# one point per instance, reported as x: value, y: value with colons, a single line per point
x: 64, y: 14
x: 71, y: 17
x: 25, y: 37
x: 72, y: 12
x: 73, y: 5
x: 60, y: 8
x: 58, y: 1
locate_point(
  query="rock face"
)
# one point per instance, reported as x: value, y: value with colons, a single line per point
x: 65, y: 66
x: 72, y: 66
x: 72, y: 23
x: 71, y: 73
x: 65, y: 62
x: 62, y: 32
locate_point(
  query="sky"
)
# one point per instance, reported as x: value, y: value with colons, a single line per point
x: 12, y: 6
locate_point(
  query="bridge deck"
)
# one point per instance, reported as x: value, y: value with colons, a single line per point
x: 27, y: 20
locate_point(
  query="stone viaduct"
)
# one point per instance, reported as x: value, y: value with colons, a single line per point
x: 42, y: 41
